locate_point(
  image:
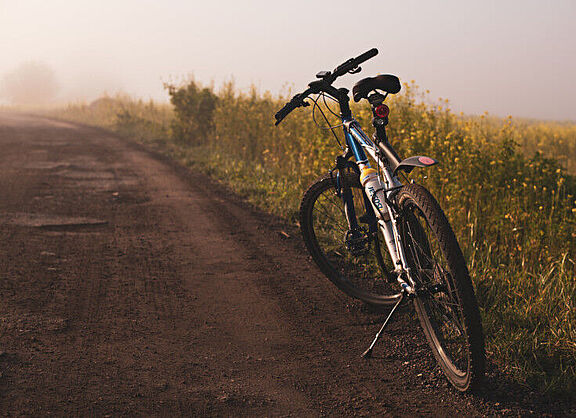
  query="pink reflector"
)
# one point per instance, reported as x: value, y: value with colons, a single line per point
x: 426, y: 160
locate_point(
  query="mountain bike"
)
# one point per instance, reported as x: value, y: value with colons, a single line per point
x: 384, y: 240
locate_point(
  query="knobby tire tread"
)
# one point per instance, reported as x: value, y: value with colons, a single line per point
x: 450, y: 248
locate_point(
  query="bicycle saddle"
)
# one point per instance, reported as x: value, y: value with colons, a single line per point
x: 385, y: 82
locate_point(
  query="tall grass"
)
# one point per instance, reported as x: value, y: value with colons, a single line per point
x: 553, y: 139
x: 145, y: 121
x: 512, y: 207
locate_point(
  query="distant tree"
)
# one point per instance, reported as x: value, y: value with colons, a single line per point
x: 30, y: 83
x: 194, y: 108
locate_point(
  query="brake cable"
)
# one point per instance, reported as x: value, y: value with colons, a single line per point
x: 331, y: 127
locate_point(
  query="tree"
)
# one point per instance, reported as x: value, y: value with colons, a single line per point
x: 194, y: 108
x: 30, y: 83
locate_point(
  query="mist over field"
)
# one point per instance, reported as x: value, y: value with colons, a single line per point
x: 488, y: 90
x: 516, y: 57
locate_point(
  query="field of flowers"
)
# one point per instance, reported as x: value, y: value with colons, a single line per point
x: 506, y: 185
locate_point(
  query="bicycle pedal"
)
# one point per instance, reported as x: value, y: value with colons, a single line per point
x: 357, y: 242
x: 359, y: 253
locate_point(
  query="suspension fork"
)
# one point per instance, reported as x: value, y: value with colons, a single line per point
x: 344, y: 191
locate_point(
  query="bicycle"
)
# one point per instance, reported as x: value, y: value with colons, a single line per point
x: 351, y: 215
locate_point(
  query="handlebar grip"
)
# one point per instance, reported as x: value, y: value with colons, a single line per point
x: 352, y: 63
x: 295, y: 102
x: 365, y: 56
x: 282, y: 113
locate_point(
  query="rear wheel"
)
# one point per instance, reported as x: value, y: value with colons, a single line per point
x: 355, y: 261
x: 445, y: 302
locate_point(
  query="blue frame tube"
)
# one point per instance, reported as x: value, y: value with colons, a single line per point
x: 357, y: 149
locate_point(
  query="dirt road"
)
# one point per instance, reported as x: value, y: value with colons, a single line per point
x: 129, y: 285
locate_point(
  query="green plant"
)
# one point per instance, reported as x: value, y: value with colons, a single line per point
x: 194, y: 112
x: 503, y: 184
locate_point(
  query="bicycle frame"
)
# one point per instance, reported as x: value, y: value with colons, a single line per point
x: 360, y: 144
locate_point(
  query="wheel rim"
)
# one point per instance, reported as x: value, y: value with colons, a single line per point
x: 360, y: 275
x: 438, y: 302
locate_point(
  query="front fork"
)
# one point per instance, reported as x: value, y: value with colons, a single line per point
x: 343, y: 190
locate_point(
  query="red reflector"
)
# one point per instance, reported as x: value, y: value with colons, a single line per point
x: 382, y: 111
x: 426, y: 160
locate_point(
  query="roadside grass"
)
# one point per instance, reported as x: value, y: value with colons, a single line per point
x: 145, y: 121
x: 503, y: 183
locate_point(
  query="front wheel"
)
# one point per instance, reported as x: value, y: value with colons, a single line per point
x: 445, y: 301
x: 355, y: 261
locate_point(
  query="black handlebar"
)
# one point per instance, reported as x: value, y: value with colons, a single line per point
x: 296, y: 102
x: 352, y: 63
x: 324, y: 84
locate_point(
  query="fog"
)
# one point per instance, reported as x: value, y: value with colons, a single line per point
x: 504, y: 57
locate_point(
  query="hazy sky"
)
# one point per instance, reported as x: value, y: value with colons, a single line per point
x: 505, y: 57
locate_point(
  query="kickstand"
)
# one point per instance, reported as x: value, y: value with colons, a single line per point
x: 368, y: 353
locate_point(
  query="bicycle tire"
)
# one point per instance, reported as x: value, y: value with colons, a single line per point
x: 361, y: 277
x: 445, y: 303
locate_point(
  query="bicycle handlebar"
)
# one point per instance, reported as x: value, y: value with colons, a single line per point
x: 321, y: 85
x: 294, y: 103
x: 352, y: 63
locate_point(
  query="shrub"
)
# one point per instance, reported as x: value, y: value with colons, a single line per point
x: 194, y: 112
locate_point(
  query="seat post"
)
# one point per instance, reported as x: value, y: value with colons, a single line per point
x: 379, y: 123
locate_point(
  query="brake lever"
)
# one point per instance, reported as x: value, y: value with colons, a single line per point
x: 301, y: 100
x: 355, y: 70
